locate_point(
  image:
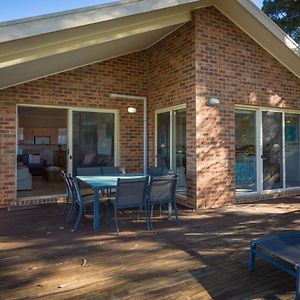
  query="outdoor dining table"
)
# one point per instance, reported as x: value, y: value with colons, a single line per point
x: 105, y: 182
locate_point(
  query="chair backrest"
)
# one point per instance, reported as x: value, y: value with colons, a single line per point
x: 110, y: 170
x: 162, y: 189
x: 88, y: 171
x: 76, y: 195
x: 131, y: 192
x: 67, y: 183
x: 155, y: 171
x: 166, y: 171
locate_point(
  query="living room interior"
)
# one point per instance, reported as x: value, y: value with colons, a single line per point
x: 41, y: 151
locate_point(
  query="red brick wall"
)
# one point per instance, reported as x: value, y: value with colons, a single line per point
x: 232, y: 67
x: 172, y: 82
x: 84, y: 87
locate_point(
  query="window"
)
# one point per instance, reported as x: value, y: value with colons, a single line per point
x: 62, y: 136
x: 245, y: 150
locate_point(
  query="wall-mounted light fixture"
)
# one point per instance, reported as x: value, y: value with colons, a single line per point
x: 213, y: 102
x: 132, y: 110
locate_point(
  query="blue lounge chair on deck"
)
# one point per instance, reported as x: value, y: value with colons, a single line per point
x: 285, y: 246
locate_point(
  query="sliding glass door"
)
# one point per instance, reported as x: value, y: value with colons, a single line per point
x: 170, y: 149
x: 93, y: 139
x: 267, y: 150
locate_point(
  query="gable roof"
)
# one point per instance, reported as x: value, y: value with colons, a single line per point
x: 36, y: 47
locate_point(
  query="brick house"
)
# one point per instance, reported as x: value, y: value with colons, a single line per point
x: 181, y: 56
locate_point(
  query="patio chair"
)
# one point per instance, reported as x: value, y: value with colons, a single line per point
x: 162, y: 190
x: 131, y: 193
x: 81, y: 202
x: 112, y: 170
x: 88, y: 171
x: 155, y: 171
x: 284, y: 246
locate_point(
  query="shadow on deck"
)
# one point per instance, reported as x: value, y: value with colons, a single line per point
x: 203, y: 258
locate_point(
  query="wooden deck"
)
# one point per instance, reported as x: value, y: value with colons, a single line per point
x: 203, y: 258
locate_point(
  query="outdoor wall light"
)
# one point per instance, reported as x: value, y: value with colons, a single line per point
x: 132, y: 110
x: 213, y: 102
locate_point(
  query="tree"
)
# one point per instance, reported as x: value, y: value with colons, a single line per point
x: 286, y: 14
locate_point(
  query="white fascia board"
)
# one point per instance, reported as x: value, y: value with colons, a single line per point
x: 263, y: 31
x: 29, y: 27
x: 270, y: 25
x: 50, y: 44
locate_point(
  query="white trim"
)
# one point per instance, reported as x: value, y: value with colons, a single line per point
x: 70, y: 142
x: 259, y: 152
x: 268, y: 108
x: 283, y: 150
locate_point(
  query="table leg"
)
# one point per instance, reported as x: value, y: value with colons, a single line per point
x: 96, y: 211
x: 170, y: 210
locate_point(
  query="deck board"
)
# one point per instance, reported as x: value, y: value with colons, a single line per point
x: 203, y: 258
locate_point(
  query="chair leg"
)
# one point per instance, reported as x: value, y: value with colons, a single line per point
x: 147, y: 208
x: 71, y: 213
x: 116, y: 221
x: 108, y: 221
x: 80, y: 213
x: 147, y: 216
x: 176, y: 213
x: 252, y: 256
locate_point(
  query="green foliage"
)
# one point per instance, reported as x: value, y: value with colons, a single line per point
x: 286, y: 13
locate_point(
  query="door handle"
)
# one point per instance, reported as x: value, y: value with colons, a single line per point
x: 263, y: 157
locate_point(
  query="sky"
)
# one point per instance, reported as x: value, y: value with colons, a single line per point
x: 17, y: 9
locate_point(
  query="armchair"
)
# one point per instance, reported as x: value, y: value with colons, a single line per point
x: 34, y: 162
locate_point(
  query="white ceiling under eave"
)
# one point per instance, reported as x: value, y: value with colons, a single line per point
x: 52, y: 64
x: 41, y: 46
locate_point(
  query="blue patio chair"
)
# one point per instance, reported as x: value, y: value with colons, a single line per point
x: 112, y: 170
x: 88, y: 171
x: 162, y: 190
x: 81, y: 203
x: 155, y: 171
x: 131, y: 193
x: 170, y: 172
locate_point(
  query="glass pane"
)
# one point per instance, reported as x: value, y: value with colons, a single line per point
x: 62, y: 136
x: 163, y: 140
x: 272, y: 150
x: 180, y: 148
x: 93, y: 139
x: 292, y: 153
x: 245, y: 151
